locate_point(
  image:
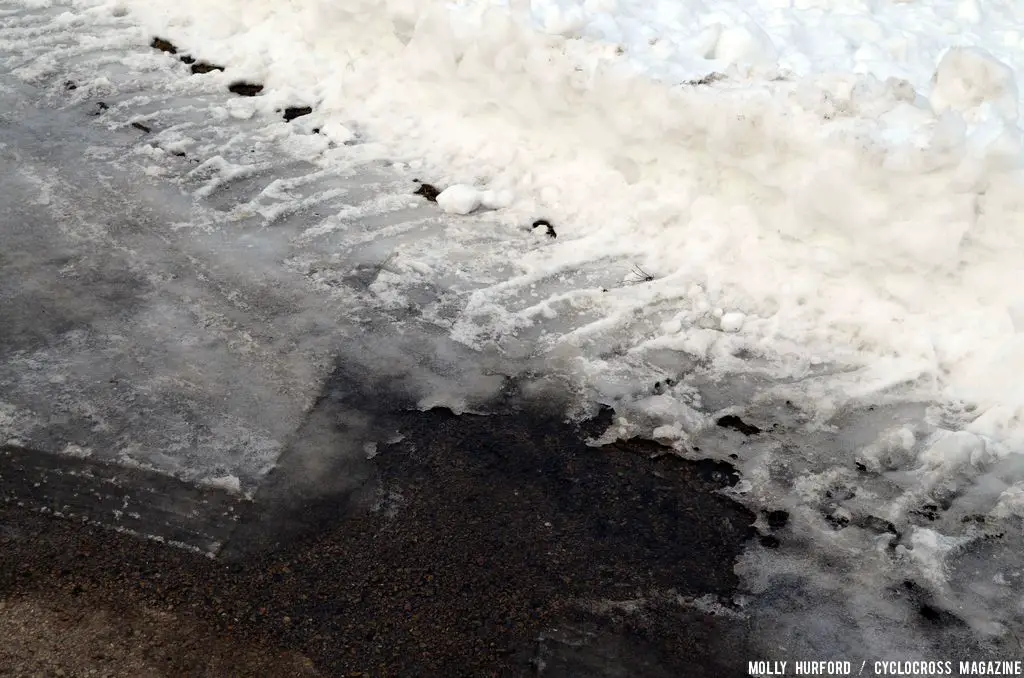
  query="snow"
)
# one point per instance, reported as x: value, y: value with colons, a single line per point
x: 229, y: 483
x: 337, y: 132
x: 808, y: 210
x: 732, y: 322
x: 459, y: 199
x: 799, y: 204
x: 968, y: 79
x: 463, y: 199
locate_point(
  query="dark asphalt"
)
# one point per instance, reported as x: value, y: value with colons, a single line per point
x: 475, y: 546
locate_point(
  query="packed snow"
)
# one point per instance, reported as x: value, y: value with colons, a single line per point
x: 805, y: 212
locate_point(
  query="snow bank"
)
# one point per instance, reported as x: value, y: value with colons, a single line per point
x: 842, y: 217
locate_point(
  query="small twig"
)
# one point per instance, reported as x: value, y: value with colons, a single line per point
x: 376, y: 271
x: 383, y: 266
x: 642, y: 276
x: 708, y: 79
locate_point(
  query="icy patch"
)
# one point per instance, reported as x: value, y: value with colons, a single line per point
x: 1011, y: 503
x: 337, y: 132
x: 370, y: 449
x: 732, y: 322
x: 230, y: 483
x: 77, y: 451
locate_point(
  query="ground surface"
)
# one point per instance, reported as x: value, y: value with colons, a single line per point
x: 194, y: 291
x: 476, y: 546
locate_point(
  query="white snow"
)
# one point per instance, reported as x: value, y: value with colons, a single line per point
x: 463, y: 199
x: 459, y: 199
x: 496, y: 200
x: 337, y: 132
x: 1011, y: 502
x: 818, y: 201
x: 968, y: 79
x: 732, y: 322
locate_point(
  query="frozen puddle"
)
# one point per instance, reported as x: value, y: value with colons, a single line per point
x: 184, y: 267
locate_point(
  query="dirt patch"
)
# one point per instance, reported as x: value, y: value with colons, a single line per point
x: 163, y: 45
x: 58, y: 634
x: 428, y: 191
x: 201, y: 67
x: 293, y: 112
x: 245, y: 89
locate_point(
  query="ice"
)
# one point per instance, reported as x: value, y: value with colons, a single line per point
x: 929, y: 549
x: 969, y: 11
x: 227, y: 482
x: 567, y: 22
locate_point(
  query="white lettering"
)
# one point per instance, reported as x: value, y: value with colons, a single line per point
x: 823, y: 668
x: 771, y: 668
x: 914, y: 668
x: 991, y: 668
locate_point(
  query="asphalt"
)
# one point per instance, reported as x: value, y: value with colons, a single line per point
x: 475, y: 546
